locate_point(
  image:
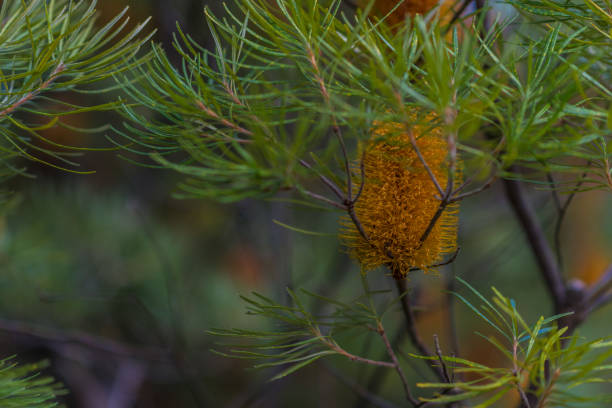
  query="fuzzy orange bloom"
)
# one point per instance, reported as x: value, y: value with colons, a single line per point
x: 407, y: 7
x: 398, y: 202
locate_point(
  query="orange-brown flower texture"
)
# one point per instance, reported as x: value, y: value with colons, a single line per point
x: 408, y: 7
x: 399, y: 200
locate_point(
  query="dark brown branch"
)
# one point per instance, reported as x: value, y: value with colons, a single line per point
x: 411, y: 327
x: 433, y: 221
x: 434, y: 180
x: 537, y: 241
x: 332, y: 186
x: 477, y: 190
x: 324, y: 199
x: 444, y: 263
x: 457, y: 14
x: 362, y: 182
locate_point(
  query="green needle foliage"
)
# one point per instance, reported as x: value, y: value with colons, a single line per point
x: 301, y: 337
x: 535, y: 357
x: 46, y: 49
x: 281, y: 76
x: 21, y: 386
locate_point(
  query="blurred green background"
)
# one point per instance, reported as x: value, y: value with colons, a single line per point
x: 116, y: 283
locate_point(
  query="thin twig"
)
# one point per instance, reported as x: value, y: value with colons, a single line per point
x: 332, y: 186
x: 362, y: 232
x: 601, y: 288
x: 457, y: 14
x: 324, y: 199
x: 335, y: 127
x: 411, y: 327
x: 477, y: 190
x: 433, y: 221
x: 601, y: 302
x: 432, y: 176
x: 335, y: 347
x: 398, y: 367
x: 362, y: 182
x: 440, y: 359
x: 561, y: 217
x: 555, y: 194
x: 30, y: 95
x: 444, y: 263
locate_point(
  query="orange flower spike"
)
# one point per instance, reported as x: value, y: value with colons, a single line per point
x: 382, y: 8
x: 412, y: 7
x: 398, y: 202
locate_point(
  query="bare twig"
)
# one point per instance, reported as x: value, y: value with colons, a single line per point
x: 411, y: 327
x: 601, y: 288
x: 432, y: 223
x: 555, y: 194
x: 444, y: 263
x: 601, y: 302
x: 538, y: 243
x: 457, y: 14
x: 432, y: 176
x: 362, y: 182
x: 441, y: 360
x: 398, y: 367
x: 477, y: 190
x: 324, y: 199
x: 332, y: 186
x: 561, y: 217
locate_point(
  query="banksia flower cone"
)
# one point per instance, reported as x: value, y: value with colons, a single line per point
x: 399, y: 200
x: 395, y: 14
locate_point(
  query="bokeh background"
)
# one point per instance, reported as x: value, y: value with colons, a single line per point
x: 116, y: 283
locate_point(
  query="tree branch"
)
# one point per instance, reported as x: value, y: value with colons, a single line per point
x: 411, y: 327
x: 538, y: 243
x: 398, y: 367
x: 30, y: 95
